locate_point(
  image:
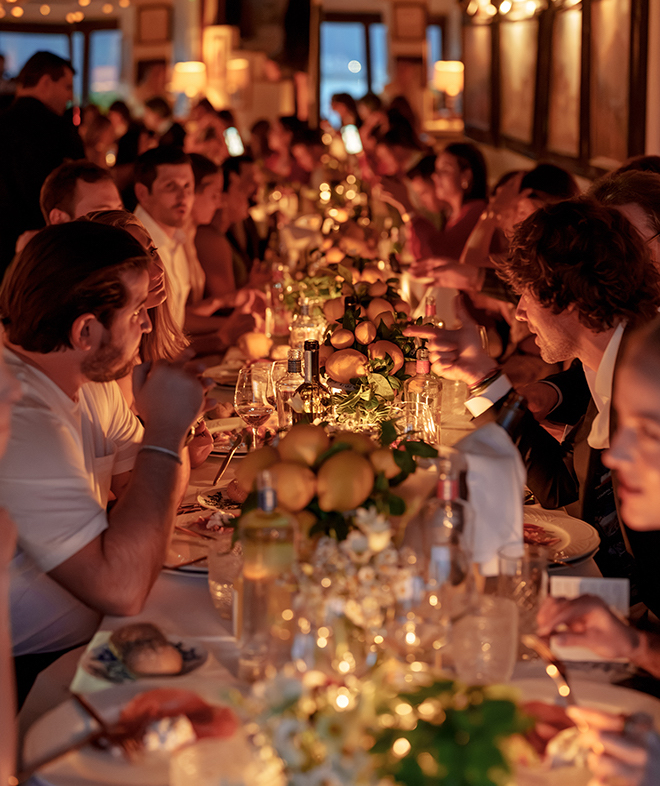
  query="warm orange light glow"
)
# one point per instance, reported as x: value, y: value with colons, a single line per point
x: 448, y: 76
x: 189, y: 78
x: 17, y: 11
x: 107, y: 8
x: 2, y: 12
x: 44, y: 10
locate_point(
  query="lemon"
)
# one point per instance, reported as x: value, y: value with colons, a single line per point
x: 344, y: 481
x: 249, y: 467
x: 304, y: 443
x: 295, y: 485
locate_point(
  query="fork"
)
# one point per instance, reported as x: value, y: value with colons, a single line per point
x: 555, y: 669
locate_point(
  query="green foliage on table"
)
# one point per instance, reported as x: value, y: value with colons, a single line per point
x: 454, y: 734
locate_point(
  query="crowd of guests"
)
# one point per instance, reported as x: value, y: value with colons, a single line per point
x: 130, y: 254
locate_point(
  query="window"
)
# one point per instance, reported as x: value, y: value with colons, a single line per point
x: 19, y: 47
x: 434, y: 40
x: 353, y: 58
x: 104, y: 66
x: 94, y: 49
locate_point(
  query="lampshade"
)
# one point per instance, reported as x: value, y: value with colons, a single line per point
x: 238, y: 74
x: 189, y: 78
x: 448, y: 76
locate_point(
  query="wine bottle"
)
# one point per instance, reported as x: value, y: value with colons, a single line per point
x: 312, y: 401
x: 305, y: 326
x: 268, y: 537
x: 286, y: 388
x: 511, y: 414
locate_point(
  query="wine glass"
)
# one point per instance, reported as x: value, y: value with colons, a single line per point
x: 252, y: 397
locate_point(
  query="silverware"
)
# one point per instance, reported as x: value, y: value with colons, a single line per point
x: 555, y: 669
x: 229, y: 457
x: 187, y: 531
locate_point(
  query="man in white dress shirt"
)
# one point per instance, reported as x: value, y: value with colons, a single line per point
x: 165, y: 189
x: 73, y: 309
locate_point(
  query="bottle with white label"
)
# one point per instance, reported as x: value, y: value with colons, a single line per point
x: 286, y: 387
x: 422, y: 395
x: 446, y: 529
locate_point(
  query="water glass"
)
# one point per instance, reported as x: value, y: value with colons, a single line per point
x: 454, y: 395
x: 225, y: 565
x: 523, y: 578
x: 485, y: 641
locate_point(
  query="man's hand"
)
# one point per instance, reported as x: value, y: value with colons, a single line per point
x: 235, y: 326
x: 622, y: 751
x: 589, y: 623
x: 456, y: 354
x: 169, y: 397
x: 394, y: 192
x: 453, y: 276
x: 541, y: 399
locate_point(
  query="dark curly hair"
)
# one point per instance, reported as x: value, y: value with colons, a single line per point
x: 630, y: 187
x: 587, y: 255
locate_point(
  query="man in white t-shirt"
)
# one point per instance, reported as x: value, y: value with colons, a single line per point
x: 73, y: 308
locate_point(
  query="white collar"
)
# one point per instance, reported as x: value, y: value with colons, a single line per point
x: 600, y: 384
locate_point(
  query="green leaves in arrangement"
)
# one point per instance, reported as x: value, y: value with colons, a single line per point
x: 454, y: 738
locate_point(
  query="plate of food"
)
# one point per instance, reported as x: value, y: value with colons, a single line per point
x: 567, y: 538
x: 141, y: 650
x: 225, y: 374
x: 145, y: 729
x: 193, y: 533
x: 226, y: 498
x: 551, y: 752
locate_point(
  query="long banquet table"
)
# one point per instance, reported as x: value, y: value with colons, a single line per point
x: 180, y: 604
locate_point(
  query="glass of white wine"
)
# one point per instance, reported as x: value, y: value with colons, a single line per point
x: 253, y: 397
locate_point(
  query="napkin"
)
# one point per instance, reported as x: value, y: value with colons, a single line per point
x: 495, y: 479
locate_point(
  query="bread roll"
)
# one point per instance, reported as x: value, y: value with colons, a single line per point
x: 145, y: 650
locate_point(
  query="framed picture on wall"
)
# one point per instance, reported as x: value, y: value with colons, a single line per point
x: 409, y: 21
x: 154, y: 24
x: 518, y: 55
x: 477, y: 93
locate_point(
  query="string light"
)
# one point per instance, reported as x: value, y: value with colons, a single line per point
x: 17, y: 11
x: 44, y: 10
x: 107, y: 8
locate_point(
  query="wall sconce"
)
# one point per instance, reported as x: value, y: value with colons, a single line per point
x: 238, y: 74
x: 448, y: 79
x: 189, y: 78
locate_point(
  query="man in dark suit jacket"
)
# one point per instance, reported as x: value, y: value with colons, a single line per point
x: 34, y: 139
x: 585, y: 278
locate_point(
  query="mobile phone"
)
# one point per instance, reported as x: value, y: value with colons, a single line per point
x: 234, y: 141
x: 351, y: 139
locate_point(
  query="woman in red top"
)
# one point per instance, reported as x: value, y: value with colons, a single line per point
x: 460, y: 184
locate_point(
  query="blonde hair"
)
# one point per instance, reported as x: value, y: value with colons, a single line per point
x: 166, y: 340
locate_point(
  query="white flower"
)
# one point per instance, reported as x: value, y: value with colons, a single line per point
x: 375, y: 526
x: 367, y: 574
x: 285, y: 741
x: 356, y: 546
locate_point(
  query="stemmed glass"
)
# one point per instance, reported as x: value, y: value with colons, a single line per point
x: 253, y: 397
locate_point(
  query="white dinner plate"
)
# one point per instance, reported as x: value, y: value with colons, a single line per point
x: 577, y: 539
x: 185, y: 548
x: 91, y: 767
x: 598, y: 695
x: 101, y: 661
